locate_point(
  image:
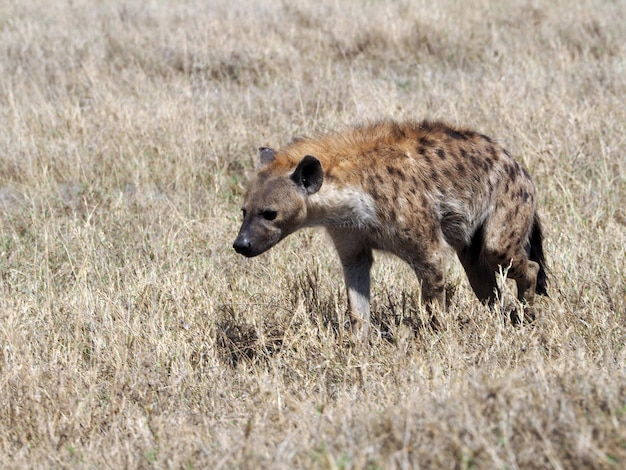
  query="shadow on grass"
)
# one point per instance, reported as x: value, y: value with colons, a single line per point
x: 238, y: 340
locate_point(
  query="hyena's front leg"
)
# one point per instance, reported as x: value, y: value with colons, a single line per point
x: 356, y: 259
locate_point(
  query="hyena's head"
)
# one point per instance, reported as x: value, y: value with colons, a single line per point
x: 275, y: 203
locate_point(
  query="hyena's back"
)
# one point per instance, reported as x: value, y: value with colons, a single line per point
x: 428, y: 176
x: 412, y: 188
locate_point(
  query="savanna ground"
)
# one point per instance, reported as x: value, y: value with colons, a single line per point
x: 132, y: 335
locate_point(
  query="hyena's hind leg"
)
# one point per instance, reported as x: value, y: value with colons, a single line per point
x: 527, y: 283
x: 506, y: 241
x: 480, y: 274
x: 535, y: 280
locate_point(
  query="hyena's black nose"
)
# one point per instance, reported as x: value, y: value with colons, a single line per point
x: 243, y: 246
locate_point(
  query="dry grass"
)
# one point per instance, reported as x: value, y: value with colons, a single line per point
x: 132, y: 335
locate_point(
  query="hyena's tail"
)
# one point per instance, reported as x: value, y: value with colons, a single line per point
x: 536, y: 254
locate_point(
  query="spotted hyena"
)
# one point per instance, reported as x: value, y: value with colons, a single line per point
x: 412, y: 189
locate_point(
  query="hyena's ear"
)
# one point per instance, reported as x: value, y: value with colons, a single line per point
x: 309, y: 175
x: 266, y: 155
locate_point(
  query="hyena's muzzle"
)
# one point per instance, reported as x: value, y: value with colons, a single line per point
x: 243, y: 246
x: 254, y: 240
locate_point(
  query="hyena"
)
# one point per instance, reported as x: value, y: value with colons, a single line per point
x: 409, y: 188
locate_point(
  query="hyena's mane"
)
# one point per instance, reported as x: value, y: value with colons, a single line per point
x: 332, y: 148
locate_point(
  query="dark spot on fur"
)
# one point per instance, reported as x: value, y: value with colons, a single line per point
x: 487, y: 138
x: 426, y: 125
x: 421, y: 151
x: 506, y: 152
x: 396, y: 189
x: 461, y: 169
x: 434, y: 176
x: 428, y: 161
x: 463, y: 153
x: 455, y: 134
x: 395, y: 172
x: 511, y: 171
x: 425, y: 141
x: 372, y: 187
x: 525, y: 196
x: 448, y: 173
x: 489, y: 163
x: 475, y: 161
x: 397, y: 131
x: 441, y: 154
x: 414, y: 180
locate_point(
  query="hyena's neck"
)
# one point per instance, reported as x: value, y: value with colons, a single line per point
x: 336, y: 206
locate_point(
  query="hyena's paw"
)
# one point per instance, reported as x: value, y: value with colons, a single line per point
x: 522, y: 314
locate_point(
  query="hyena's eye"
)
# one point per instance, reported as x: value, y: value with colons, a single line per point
x: 269, y: 214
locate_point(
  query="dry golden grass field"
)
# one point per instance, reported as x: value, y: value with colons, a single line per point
x: 133, y: 336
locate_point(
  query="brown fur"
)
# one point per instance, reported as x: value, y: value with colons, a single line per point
x: 408, y: 188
